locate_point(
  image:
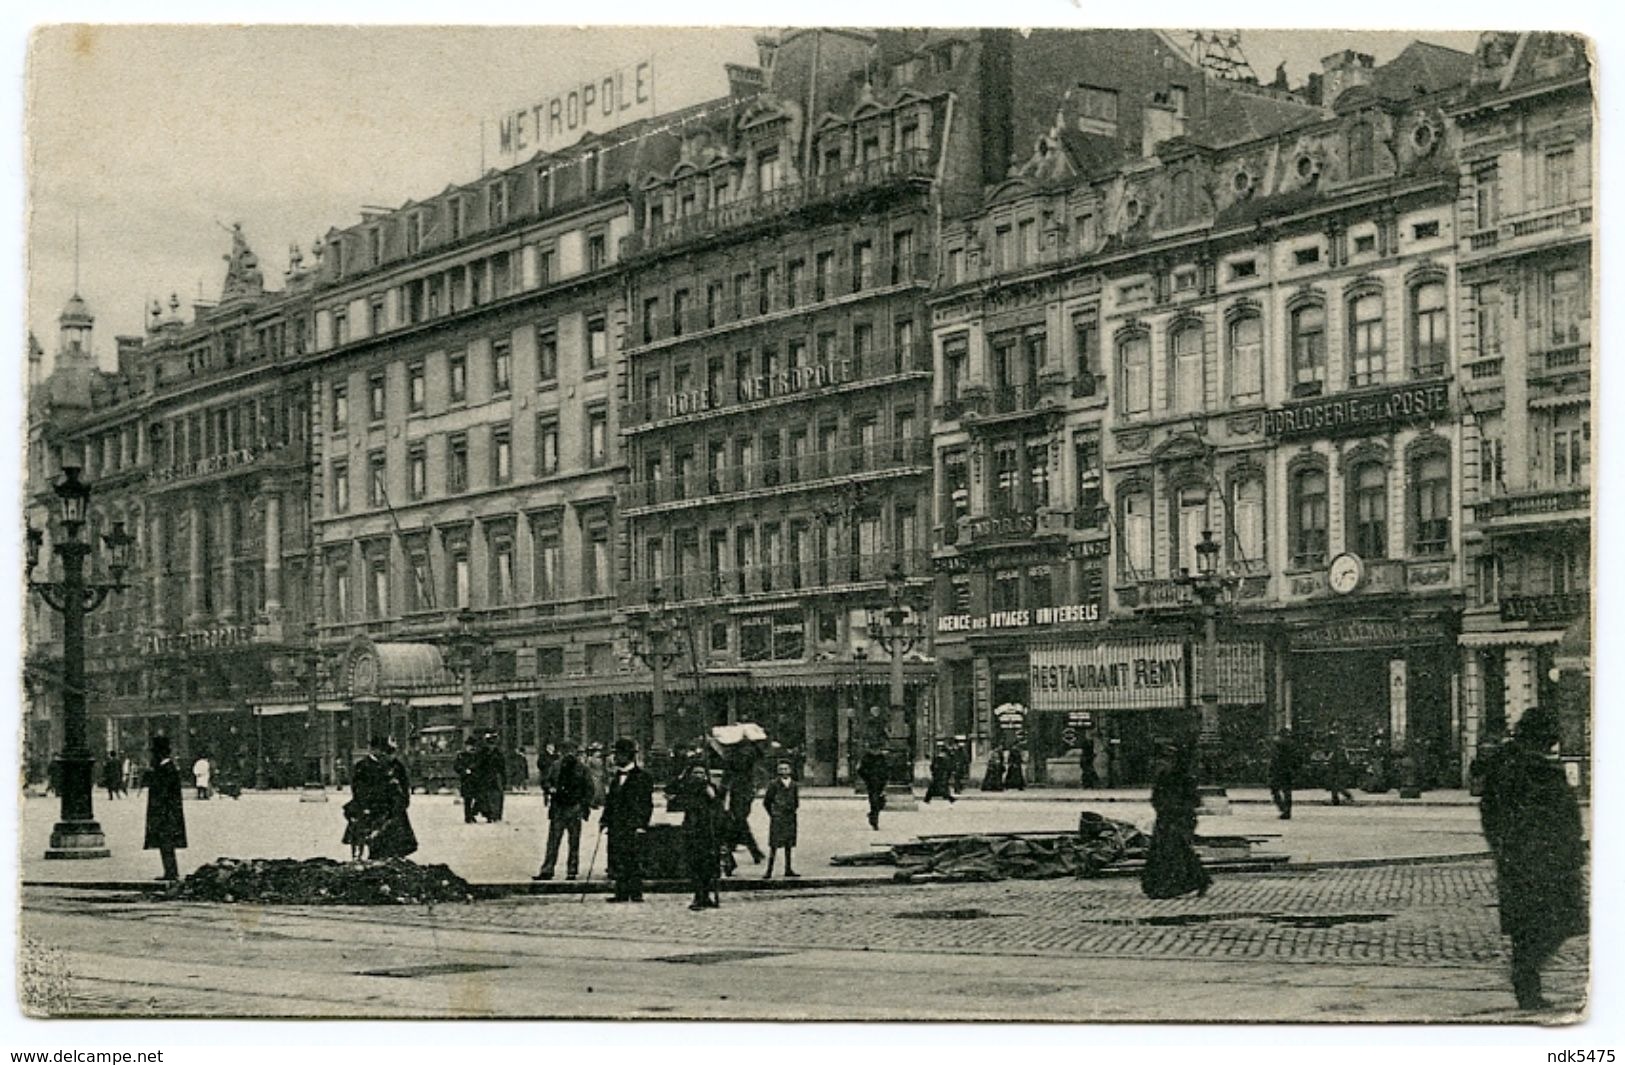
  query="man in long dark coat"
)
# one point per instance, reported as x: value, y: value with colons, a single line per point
x: 466, y: 765
x: 1284, y: 759
x: 491, y: 769
x: 739, y: 787
x: 628, y: 805
x: 873, y: 771
x: 705, y: 825
x: 569, y: 806
x: 1532, y: 823
x: 166, y: 820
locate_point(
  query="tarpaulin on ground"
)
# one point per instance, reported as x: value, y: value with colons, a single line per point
x: 318, y: 881
x: 1098, y: 843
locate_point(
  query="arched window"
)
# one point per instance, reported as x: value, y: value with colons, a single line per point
x: 1430, y: 503
x: 1308, y: 350
x: 1134, y: 358
x: 1136, y: 533
x: 1308, y: 514
x: 1185, y: 359
x: 1362, y: 162
x: 1430, y: 332
x: 1247, y: 520
x: 1367, y: 344
x: 1368, y: 510
x: 1192, y: 517
x: 1246, y: 345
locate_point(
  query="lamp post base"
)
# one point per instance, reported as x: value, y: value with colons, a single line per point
x: 313, y: 793
x: 77, y: 839
x: 901, y: 797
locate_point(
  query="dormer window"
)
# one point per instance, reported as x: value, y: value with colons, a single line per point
x: 768, y: 172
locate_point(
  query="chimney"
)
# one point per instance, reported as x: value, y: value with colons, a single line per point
x: 1343, y: 71
x: 1162, y: 122
x: 767, y: 46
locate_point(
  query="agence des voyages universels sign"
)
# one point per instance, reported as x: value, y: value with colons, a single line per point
x: 1362, y: 412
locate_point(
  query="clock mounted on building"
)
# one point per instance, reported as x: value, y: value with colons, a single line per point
x: 1345, y: 573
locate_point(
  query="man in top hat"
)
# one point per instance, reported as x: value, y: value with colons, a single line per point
x: 942, y: 771
x: 628, y: 805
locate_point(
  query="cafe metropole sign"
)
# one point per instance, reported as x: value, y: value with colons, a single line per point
x: 593, y: 105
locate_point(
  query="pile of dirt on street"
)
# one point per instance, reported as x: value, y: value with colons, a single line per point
x: 319, y: 881
x: 1099, y: 842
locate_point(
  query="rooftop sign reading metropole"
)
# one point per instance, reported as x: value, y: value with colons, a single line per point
x: 595, y: 105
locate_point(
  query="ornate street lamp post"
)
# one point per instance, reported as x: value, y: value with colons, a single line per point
x: 897, y: 632
x: 1208, y: 586
x: 467, y: 651
x: 315, y: 790
x: 649, y: 640
x: 77, y: 835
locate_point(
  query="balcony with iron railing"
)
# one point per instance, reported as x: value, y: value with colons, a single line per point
x: 842, y: 373
x: 773, y: 580
x: 791, y: 473
x: 1563, y: 504
x: 226, y: 463
x: 1001, y: 403
x: 1519, y: 228
x: 759, y: 305
x: 1016, y: 526
x: 901, y: 168
x: 1560, y: 359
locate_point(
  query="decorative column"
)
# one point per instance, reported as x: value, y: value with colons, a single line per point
x: 273, y: 550
x: 226, y: 609
x: 194, y: 562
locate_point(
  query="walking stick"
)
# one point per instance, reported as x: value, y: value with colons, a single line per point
x: 598, y: 837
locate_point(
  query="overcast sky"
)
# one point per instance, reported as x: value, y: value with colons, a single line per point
x: 160, y: 137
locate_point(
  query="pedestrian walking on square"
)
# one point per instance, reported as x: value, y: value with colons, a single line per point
x: 1172, y: 867
x: 1532, y: 823
x: 466, y: 766
x: 381, y: 793
x: 873, y: 771
x: 628, y: 805
x: 545, y: 761
x: 961, y: 755
x: 202, y: 772
x: 491, y: 772
x: 942, y: 771
x: 113, y: 776
x: 705, y: 832
x: 571, y: 803
x: 132, y: 775
x: 1087, y: 777
x: 166, y: 820
x: 1284, y: 759
x: 1015, y: 779
x: 739, y: 787
x: 993, y: 775
x: 782, y: 800
x: 1339, y: 772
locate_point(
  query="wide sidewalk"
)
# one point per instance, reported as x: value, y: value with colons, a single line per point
x: 832, y: 821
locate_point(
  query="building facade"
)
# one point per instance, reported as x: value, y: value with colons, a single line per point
x: 1525, y: 255
x: 1024, y: 318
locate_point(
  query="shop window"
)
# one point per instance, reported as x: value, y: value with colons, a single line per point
x: 1193, y: 518
x: 1135, y: 527
x: 1006, y: 590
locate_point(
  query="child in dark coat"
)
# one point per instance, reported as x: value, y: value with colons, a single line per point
x: 781, y: 800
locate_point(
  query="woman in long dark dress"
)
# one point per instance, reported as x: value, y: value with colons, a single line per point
x: 166, y: 820
x: 993, y: 775
x: 782, y: 800
x: 705, y: 833
x: 1015, y: 777
x: 395, y: 837
x: 1172, y: 867
x: 380, y: 792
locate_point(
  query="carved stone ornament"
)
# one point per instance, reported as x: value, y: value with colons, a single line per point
x: 1243, y: 424
x: 1132, y: 439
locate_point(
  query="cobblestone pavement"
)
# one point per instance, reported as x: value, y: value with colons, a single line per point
x: 1413, y: 942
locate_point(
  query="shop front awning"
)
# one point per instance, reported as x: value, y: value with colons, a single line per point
x: 1516, y: 638
x: 326, y: 706
x: 455, y: 699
